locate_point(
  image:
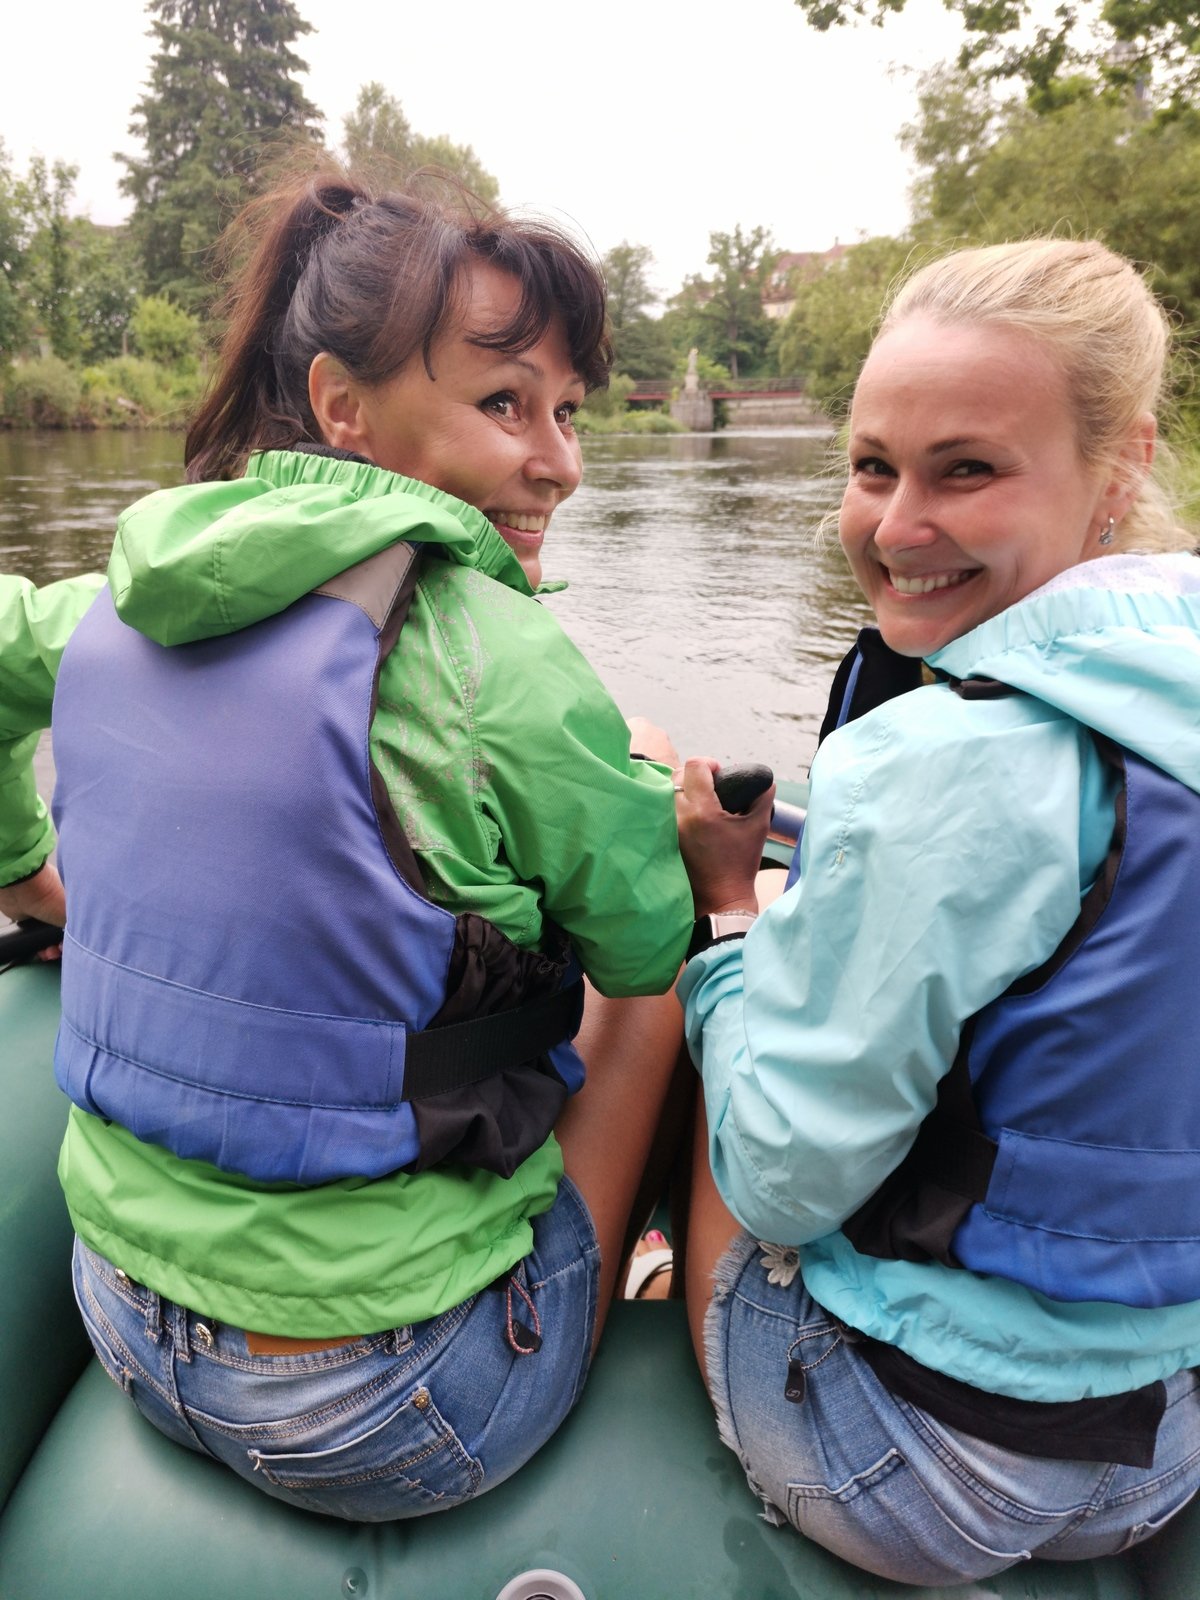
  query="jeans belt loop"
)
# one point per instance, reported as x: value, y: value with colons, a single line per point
x: 181, y: 1332
x: 154, y: 1320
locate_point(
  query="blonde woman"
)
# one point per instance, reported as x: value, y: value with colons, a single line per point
x: 953, y: 1122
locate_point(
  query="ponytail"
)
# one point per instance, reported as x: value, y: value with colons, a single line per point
x: 254, y: 402
x: 371, y: 280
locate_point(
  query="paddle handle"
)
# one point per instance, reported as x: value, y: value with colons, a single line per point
x: 23, y: 941
x: 739, y: 787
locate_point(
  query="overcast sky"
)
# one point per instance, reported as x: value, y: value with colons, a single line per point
x: 655, y: 121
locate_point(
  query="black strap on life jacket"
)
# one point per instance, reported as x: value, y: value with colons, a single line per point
x: 914, y: 1213
x: 437, y: 1060
x: 870, y: 674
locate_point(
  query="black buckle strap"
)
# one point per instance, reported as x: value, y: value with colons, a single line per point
x: 437, y: 1060
x: 871, y: 674
x: 954, y: 1156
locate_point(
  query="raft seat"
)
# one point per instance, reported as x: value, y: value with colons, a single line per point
x: 635, y: 1497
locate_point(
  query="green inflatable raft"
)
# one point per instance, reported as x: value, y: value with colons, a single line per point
x: 634, y: 1499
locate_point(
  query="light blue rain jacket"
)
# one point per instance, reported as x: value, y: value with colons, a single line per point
x: 947, y: 846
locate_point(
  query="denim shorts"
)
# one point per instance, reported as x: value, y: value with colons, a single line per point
x: 880, y: 1482
x: 410, y: 1420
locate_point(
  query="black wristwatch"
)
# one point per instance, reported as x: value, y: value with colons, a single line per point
x: 717, y: 928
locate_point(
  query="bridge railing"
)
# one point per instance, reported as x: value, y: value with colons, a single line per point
x: 651, y: 388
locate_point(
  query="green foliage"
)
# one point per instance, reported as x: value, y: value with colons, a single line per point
x: 49, y: 269
x: 643, y: 347
x: 129, y: 392
x: 1147, y: 49
x: 223, y: 95
x: 1095, y: 167
x: 376, y: 128
x: 107, y: 273
x: 732, y: 326
x: 829, y: 331
x: 607, y: 411
x: 12, y: 318
x: 41, y: 394
x: 165, y: 333
x: 709, y: 373
x: 635, y: 421
x: 378, y: 140
x: 1185, y: 486
x: 641, y: 343
x: 123, y: 393
x: 610, y: 402
x: 12, y: 251
x: 627, y: 280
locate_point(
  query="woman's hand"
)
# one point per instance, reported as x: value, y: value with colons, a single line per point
x: 42, y: 896
x: 722, y: 851
x: 649, y: 740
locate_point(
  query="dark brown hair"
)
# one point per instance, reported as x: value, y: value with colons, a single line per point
x: 371, y: 279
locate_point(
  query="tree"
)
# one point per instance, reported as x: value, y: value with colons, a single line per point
x: 682, y: 321
x: 378, y: 140
x: 627, y: 280
x: 12, y: 253
x: 49, y: 268
x: 61, y: 277
x: 992, y: 170
x: 377, y: 127
x: 222, y: 96
x: 734, y: 328
x: 165, y: 333
x: 828, y: 333
x: 1119, y: 45
x: 108, y: 274
x: 641, y: 343
x: 644, y: 348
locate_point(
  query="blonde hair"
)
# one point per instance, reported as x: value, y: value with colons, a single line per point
x: 1096, y: 315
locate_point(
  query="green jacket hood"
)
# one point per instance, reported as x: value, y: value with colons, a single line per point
x: 208, y: 559
x: 1115, y: 643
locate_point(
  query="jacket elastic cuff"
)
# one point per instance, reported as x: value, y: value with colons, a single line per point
x: 11, y: 883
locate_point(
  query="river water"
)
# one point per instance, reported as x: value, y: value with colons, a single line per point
x: 697, y: 586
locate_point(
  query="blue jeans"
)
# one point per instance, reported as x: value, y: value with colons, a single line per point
x: 880, y: 1483
x: 411, y: 1420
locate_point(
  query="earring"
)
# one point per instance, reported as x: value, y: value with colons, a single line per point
x: 1106, y: 533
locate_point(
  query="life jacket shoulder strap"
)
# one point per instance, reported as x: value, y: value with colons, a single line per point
x: 869, y: 675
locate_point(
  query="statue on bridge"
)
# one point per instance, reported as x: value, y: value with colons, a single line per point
x: 693, y: 406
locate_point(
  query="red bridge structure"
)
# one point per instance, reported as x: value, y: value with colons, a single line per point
x: 657, y: 391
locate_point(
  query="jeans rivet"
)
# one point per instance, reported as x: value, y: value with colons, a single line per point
x: 421, y: 1399
x: 204, y: 1335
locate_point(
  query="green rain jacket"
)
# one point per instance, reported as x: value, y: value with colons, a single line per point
x: 509, y: 767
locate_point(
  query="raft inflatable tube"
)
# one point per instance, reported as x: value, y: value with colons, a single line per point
x: 635, y: 1498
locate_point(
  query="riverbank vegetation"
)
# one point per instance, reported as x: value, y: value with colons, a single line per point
x: 1087, y: 130
x: 1086, y: 127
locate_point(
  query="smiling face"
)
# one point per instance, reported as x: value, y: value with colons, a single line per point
x: 967, y: 490
x: 492, y: 428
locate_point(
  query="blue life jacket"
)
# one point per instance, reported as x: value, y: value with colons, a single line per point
x: 253, y: 975
x: 1061, y: 1153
